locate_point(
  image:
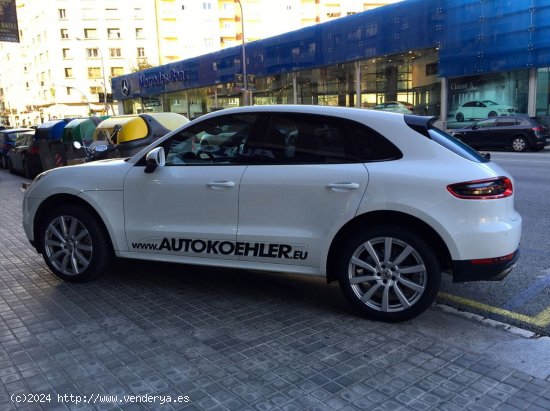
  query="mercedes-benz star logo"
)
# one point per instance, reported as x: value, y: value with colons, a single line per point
x: 125, y: 87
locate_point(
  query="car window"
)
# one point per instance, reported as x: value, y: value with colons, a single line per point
x: 456, y: 146
x: 469, y: 104
x: 370, y: 145
x: 486, y: 123
x: 507, y: 122
x: 219, y: 140
x: 305, y: 139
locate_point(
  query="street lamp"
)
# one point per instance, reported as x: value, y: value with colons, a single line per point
x: 80, y: 91
x: 102, y: 74
x: 245, y: 77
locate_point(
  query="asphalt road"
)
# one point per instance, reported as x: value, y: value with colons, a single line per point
x: 522, y: 298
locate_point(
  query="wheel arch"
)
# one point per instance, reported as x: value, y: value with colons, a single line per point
x: 64, y: 199
x: 374, y: 218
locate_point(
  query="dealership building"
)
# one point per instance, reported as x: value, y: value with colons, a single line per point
x: 458, y: 60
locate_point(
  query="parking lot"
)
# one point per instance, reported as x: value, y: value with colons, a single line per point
x: 159, y: 336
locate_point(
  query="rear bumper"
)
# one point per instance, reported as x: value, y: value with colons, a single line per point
x: 493, y: 269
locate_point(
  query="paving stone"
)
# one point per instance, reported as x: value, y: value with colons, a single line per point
x: 229, y: 340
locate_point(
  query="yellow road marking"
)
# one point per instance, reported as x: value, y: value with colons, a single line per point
x: 542, y: 319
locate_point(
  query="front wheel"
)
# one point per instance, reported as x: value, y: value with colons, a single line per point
x: 73, y: 244
x: 388, y: 274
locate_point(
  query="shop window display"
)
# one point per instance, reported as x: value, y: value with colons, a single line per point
x: 491, y: 95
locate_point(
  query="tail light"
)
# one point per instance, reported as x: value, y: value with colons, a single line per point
x: 538, y: 129
x: 34, y: 151
x: 489, y: 189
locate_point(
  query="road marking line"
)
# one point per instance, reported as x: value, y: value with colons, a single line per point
x: 538, y: 286
x: 542, y: 319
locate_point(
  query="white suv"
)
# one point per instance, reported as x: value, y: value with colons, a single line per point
x: 381, y: 202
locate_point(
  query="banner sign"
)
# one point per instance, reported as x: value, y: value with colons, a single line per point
x: 8, y: 21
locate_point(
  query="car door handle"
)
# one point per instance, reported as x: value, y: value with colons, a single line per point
x: 343, y: 186
x: 221, y: 184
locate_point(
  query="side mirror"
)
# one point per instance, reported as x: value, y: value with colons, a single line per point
x: 116, y: 130
x: 155, y: 158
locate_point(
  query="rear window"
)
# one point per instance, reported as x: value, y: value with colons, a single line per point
x: 456, y: 146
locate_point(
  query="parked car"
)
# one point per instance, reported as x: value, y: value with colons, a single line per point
x: 395, y: 107
x: 519, y: 133
x: 381, y: 202
x: 24, y: 156
x: 7, y: 140
x: 475, y: 110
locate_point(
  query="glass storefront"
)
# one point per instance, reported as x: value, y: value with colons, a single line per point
x: 478, y: 97
x: 543, y: 92
x: 410, y: 78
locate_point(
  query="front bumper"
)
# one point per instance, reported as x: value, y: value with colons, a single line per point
x: 491, y: 269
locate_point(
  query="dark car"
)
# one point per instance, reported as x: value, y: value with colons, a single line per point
x: 519, y: 133
x: 7, y: 140
x: 24, y: 156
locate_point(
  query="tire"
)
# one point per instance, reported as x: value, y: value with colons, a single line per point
x: 459, y: 117
x: 73, y: 244
x: 519, y: 144
x: 492, y: 114
x: 400, y: 272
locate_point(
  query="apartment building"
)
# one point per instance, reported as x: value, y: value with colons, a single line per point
x: 67, y: 54
x: 70, y: 49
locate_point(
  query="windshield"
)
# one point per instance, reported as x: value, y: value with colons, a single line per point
x: 456, y: 146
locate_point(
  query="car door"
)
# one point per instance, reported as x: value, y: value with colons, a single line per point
x: 305, y: 187
x: 503, y: 131
x: 481, y: 134
x: 17, y: 152
x: 189, y: 206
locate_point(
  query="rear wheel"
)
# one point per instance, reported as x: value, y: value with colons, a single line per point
x: 388, y: 274
x: 492, y: 114
x: 519, y: 143
x: 459, y: 117
x: 73, y: 244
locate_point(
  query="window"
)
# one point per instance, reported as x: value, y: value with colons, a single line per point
x: 116, y: 52
x: 208, y: 43
x: 66, y: 53
x: 96, y: 90
x: 207, y: 5
x: 117, y: 71
x: 141, y: 52
x: 68, y: 72
x: 92, y: 53
x: 94, y: 72
x: 113, y: 33
x: 306, y: 139
x: 369, y: 145
x: 139, y: 33
x: 64, y: 33
x: 62, y: 13
x: 486, y: 123
x: 507, y: 122
x: 90, y: 33
x: 68, y: 90
x: 220, y: 140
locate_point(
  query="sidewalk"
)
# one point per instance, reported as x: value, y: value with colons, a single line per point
x: 158, y: 336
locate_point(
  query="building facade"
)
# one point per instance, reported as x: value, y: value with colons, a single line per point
x: 458, y: 60
x: 70, y: 49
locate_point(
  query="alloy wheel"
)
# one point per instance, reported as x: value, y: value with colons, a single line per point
x: 387, y: 274
x: 68, y: 245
